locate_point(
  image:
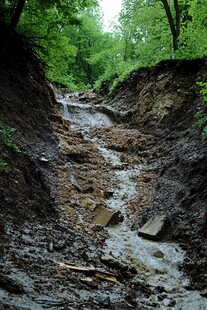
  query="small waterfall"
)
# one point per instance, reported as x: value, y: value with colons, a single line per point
x: 84, y: 116
x: 65, y: 112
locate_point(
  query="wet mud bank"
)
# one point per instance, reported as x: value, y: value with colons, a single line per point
x: 26, y: 103
x: 46, y: 204
x: 163, y: 101
x: 117, y: 171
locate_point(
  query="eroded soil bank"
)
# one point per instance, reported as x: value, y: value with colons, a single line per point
x: 50, y: 194
x: 163, y: 102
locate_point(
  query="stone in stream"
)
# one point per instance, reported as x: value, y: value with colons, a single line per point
x: 102, y: 300
x: 168, y: 302
x: 204, y: 292
x: 105, y: 217
x: 154, y: 228
x: 158, y: 254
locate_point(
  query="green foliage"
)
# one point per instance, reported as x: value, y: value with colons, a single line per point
x: 203, y: 90
x: 6, y: 138
x: 201, y: 116
x: 3, y: 164
x: 88, y: 39
x: 69, y: 37
x: 143, y: 37
x: 64, y: 35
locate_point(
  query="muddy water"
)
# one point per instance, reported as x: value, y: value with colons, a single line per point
x: 156, y: 263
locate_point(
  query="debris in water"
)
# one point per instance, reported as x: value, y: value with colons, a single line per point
x: 100, y: 274
x: 106, y: 217
x: 204, y: 292
x: 158, y: 254
x: 154, y: 228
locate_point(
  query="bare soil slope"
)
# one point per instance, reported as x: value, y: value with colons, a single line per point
x: 162, y: 101
x: 26, y: 104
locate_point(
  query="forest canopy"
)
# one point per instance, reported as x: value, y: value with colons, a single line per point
x: 69, y: 36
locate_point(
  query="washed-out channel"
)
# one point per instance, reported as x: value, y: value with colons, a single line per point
x: 156, y: 262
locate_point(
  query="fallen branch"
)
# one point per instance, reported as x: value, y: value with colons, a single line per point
x: 100, y: 274
x: 105, y: 277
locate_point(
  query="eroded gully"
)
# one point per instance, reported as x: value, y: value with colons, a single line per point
x: 156, y: 263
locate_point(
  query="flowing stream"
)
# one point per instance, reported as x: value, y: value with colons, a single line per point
x: 156, y: 262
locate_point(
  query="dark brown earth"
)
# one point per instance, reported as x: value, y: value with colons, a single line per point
x: 163, y: 102
x: 39, y: 214
x: 26, y: 105
x: 41, y: 206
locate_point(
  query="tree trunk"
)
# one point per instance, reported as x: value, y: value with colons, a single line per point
x: 177, y: 13
x: 174, y: 25
x: 13, y: 24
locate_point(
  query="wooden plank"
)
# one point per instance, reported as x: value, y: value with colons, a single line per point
x: 101, y: 274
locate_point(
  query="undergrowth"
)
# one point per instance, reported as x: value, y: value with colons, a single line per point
x: 201, y: 116
x: 7, y: 139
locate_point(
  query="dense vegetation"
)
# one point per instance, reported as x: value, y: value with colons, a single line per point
x: 201, y: 115
x: 69, y: 36
x: 7, y: 139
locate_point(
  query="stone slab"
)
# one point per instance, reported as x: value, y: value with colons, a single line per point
x: 105, y: 217
x: 154, y: 228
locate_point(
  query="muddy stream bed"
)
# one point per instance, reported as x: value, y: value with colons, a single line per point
x: 156, y: 263
x: 96, y: 168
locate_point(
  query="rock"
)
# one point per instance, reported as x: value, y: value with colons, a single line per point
x: 168, y: 302
x: 154, y: 228
x: 43, y: 159
x: 87, y: 202
x: 26, y: 231
x: 146, y: 178
x: 98, y: 228
x: 158, y: 254
x: 102, y: 300
x: 153, y: 298
x: 99, y: 193
x: 108, y: 194
x: 50, y: 247
x: 60, y: 245
x: 10, y: 285
x: 203, y: 293
x: 159, y: 289
x: 112, y: 262
x: 106, y: 217
x: 89, y: 282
